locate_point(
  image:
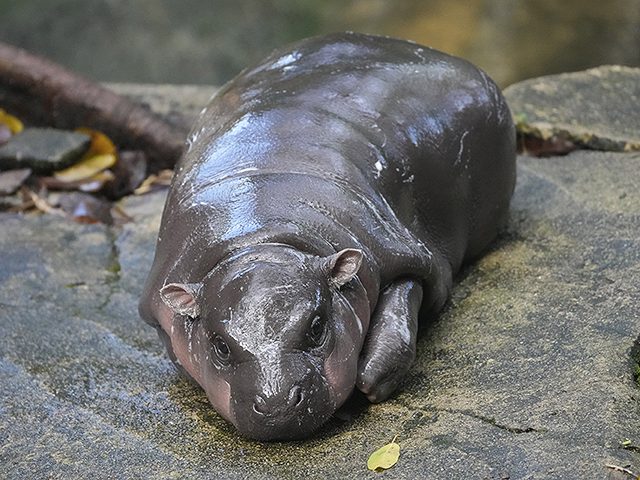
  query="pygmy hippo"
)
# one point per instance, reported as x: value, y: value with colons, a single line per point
x: 326, y: 198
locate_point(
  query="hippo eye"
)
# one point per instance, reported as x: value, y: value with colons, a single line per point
x: 317, y: 331
x: 221, y: 348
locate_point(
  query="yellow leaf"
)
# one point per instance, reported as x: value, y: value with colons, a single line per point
x: 100, y: 143
x: 100, y: 156
x: 385, y: 457
x: 86, y: 168
x: 10, y: 121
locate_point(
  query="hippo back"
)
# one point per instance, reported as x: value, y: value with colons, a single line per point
x: 348, y: 141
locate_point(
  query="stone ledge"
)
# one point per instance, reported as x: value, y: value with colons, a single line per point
x: 597, y: 108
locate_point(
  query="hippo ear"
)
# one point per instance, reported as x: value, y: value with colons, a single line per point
x: 181, y: 298
x: 343, y: 266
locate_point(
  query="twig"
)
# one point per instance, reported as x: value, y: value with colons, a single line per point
x: 622, y: 469
x: 40, y: 203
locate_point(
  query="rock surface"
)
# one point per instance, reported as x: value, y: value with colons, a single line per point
x: 596, y: 108
x: 527, y: 374
x: 43, y: 150
x: 11, y: 180
x: 179, y: 105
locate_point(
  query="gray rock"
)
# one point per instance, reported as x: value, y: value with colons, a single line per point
x: 43, y: 150
x: 11, y: 180
x: 527, y: 374
x: 5, y: 133
x: 597, y: 108
x: 178, y: 105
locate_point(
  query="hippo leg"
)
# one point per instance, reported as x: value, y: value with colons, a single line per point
x: 390, y: 345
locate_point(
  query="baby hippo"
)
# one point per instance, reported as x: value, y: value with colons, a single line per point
x: 327, y: 197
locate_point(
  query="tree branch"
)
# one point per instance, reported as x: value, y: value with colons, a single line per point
x: 42, y: 93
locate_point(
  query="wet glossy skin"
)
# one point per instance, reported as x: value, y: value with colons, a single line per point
x: 327, y: 197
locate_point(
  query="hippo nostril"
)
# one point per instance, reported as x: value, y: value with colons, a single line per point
x: 268, y: 407
x: 259, y: 405
x: 296, y: 396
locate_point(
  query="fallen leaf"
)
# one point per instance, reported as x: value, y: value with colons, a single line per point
x: 100, y: 156
x: 385, y: 457
x: 100, y: 143
x: 10, y: 121
x: 86, y: 168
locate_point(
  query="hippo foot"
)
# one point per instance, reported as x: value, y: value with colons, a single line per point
x: 390, y: 346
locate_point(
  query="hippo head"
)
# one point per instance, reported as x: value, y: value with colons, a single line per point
x: 273, y: 336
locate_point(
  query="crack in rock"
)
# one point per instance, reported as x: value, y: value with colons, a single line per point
x: 494, y: 422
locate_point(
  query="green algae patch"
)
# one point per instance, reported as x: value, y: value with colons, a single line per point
x: 511, y: 259
x: 113, y: 268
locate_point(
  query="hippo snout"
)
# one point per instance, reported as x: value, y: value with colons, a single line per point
x: 291, y: 408
x: 279, y: 405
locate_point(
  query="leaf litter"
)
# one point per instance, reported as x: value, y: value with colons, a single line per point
x: 102, y: 170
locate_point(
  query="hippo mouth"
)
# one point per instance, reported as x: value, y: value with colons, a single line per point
x: 278, y: 430
x: 284, y: 417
